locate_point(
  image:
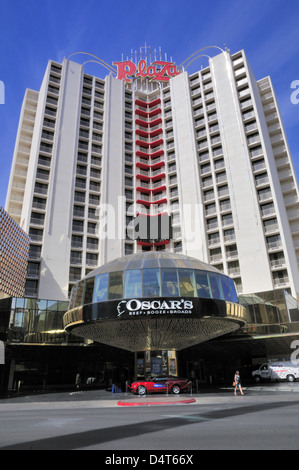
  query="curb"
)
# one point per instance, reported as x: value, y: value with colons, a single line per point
x: 126, y: 403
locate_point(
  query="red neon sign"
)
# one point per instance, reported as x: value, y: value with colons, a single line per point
x: 159, y: 70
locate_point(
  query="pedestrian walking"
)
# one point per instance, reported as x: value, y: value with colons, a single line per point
x: 237, y: 383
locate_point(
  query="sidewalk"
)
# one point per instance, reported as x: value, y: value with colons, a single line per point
x: 103, y: 398
x: 91, y: 399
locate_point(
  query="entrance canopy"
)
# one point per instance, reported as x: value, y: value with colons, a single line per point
x: 154, y: 301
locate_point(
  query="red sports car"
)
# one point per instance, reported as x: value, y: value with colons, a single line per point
x: 162, y: 383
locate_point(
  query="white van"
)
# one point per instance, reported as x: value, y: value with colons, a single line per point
x: 276, y: 371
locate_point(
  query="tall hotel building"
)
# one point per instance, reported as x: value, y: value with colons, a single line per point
x: 96, y: 159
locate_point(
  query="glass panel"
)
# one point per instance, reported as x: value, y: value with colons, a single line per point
x: 62, y: 306
x: 169, y: 283
x: 101, y: 288
x: 42, y: 305
x: 186, y: 278
x: 30, y: 303
x: 54, y: 321
x: 215, y: 281
x: 151, y: 283
x: 52, y: 305
x: 19, y: 303
x: 226, y: 286
x: 89, y: 290
x: 234, y: 291
x: 202, y: 284
x: 76, y: 295
x: 133, y: 287
x: 116, y: 288
x: 40, y: 320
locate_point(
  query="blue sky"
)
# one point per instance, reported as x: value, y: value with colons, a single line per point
x: 34, y: 31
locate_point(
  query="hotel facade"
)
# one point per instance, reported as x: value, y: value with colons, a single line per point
x: 152, y: 158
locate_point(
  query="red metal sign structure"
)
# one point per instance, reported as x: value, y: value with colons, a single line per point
x: 159, y: 70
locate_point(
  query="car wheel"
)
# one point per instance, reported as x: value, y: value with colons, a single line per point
x: 257, y: 379
x: 290, y: 378
x: 141, y: 390
x: 176, y: 389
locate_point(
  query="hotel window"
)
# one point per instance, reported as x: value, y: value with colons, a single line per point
x: 44, y: 161
x: 35, y: 234
x: 31, y: 288
x: 50, y: 111
x: 37, y: 218
x: 39, y: 203
x: 92, y: 228
x: 34, y: 252
x: 76, y: 257
x: 77, y: 226
x: 91, y: 259
x: 92, y: 243
x: 32, y: 269
x: 229, y: 235
x: 129, y: 248
x: 227, y: 219
x: 74, y: 274
x: 273, y: 242
x: 214, y: 239
x: 45, y: 147
x: 78, y: 211
x: 94, y: 199
x: 178, y: 247
x: 264, y: 194
x: 56, y: 68
x: 79, y: 197
x: 128, y: 181
x: 77, y: 241
x: 231, y: 251
x: 277, y: 259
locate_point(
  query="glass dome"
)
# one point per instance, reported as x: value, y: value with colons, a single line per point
x: 152, y: 275
x: 152, y: 260
x: 154, y: 301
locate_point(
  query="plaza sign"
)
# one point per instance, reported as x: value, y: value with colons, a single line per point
x: 159, y: 70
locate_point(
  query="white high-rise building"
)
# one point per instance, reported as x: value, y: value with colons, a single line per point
x: 207, y: 150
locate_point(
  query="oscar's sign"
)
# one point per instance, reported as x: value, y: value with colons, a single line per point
x: 159, y: 70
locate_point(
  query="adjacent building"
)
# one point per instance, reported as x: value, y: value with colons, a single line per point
x: 14, y: 248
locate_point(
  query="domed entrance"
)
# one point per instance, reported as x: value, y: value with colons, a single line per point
x: 154, y: 301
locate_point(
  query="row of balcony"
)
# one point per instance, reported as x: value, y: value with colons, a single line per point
x: 150, y: 161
